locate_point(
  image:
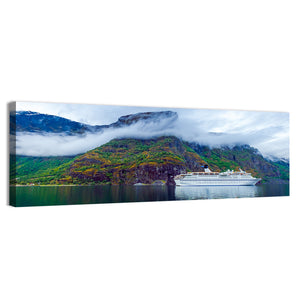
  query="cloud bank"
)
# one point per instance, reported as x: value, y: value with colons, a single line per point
x: 266, y: 131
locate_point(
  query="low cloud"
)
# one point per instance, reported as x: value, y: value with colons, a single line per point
x: 267, y: 140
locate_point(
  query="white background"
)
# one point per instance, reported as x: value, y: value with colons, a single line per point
x: 200, y: 54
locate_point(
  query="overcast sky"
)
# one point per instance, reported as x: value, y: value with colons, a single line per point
x: 267, y: 131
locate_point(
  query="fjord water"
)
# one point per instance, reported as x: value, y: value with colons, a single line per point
x: 68, y: 195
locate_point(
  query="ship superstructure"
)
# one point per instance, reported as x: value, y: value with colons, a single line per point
x: 208, y: 177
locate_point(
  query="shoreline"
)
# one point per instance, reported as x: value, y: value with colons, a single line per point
x: 43, y: 185
x: 137, y: 185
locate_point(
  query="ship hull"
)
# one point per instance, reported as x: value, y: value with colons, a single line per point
x: 216, y: 182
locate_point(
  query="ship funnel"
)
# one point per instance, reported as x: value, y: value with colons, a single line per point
x: 206, y: 169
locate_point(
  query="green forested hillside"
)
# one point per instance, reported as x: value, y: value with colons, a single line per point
x: 43, y: 170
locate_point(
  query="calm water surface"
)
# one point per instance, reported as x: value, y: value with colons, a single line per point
x: 64, y: 195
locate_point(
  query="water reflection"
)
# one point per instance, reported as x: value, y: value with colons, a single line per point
x: 64, y: 195
x: 216, y: 192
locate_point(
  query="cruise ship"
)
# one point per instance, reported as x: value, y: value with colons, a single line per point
x: 208, y: 177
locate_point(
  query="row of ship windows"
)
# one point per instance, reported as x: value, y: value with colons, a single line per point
x: 205, y: 182
x: 220, y: 177
x: 209, y: 179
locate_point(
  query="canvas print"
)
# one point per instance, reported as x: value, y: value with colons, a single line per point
x: 62, y: 154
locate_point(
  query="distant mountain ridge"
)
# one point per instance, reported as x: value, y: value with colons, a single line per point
x: 34, y: 122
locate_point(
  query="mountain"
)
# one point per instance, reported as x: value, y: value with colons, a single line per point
x: 33, y: 122
x: 131, y: 161
x: 128, y: 160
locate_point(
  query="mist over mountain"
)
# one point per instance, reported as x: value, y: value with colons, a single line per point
x: 48, y: 135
